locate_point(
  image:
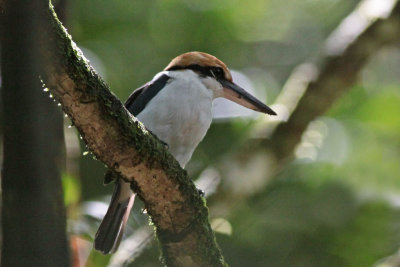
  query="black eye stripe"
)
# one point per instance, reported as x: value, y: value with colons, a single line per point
x: 215, y: 72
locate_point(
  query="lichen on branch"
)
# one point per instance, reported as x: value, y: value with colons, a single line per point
x: 122, y: 143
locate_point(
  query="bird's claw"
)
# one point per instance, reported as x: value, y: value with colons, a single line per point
x: 201, y: 192
x: 165, y: 144
x: 162, y: 142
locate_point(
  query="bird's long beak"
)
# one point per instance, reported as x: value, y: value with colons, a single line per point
x: 238, y: 95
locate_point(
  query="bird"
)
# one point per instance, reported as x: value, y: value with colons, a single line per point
x: 176, y: 106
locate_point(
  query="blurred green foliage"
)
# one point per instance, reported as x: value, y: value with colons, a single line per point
x: 295, y: 224
x: 71, y: 188
x: 336, y: 206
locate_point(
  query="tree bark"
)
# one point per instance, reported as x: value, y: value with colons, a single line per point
x: 122, y: 143
x: 33, y: 212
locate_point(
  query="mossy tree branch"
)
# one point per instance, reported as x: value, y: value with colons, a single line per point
x: 123, y: 144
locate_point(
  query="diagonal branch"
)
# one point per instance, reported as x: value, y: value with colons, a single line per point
x: 122, y: 143
x: 310, y: 91
x: 347, y: 51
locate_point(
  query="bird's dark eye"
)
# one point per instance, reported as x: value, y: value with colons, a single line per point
x: 217, y: 72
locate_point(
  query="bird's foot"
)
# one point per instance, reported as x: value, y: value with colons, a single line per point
x: 201, y: 192
x: 165, y: 144
x: 162, y: 142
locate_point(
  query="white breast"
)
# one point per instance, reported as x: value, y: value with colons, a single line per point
x: 180, y: 114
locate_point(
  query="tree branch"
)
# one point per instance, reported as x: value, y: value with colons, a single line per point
x: 347, y: 51
x: 310, y: 91
x: 123, y: 144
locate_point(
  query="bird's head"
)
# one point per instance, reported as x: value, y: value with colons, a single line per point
x: 216, y: 76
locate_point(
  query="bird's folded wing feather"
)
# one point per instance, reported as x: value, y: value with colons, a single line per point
x: 138, y: 100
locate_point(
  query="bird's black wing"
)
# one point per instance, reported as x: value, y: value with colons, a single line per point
x: 138, y: 100
x: 111, y: 228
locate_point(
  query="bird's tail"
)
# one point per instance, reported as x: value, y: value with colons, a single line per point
x: 111, y: 229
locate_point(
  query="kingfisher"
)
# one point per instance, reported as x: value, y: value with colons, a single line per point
x: 176, y: 106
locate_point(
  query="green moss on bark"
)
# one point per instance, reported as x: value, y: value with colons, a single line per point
x: 131, y: 151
